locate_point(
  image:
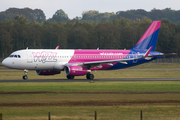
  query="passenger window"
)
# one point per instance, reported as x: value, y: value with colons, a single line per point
x: 15, y: 56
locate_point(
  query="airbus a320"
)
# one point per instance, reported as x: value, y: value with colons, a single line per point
x: 82, y: 62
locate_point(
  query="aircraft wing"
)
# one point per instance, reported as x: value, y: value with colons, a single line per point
x: 98, y: 63
x: 108, y: 62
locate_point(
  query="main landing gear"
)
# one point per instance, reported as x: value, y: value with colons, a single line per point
x: 90, y: 76
x: 25, y: 77
x: 70, y: 77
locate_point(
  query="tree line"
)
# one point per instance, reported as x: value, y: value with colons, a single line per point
x: 121, y: 33
x: 92, y: 15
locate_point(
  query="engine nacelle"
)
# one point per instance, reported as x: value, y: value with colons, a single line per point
x: 47, y: 72
x: 75, y: 70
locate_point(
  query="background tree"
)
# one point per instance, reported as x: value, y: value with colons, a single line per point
x: 32, y: 15
x: 59, y: 16
x: 119, y: 33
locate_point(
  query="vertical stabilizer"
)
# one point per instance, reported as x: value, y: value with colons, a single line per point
x: 150, y: 37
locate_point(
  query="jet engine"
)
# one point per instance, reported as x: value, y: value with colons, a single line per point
x: 75, y: 70
x: 47, y: 72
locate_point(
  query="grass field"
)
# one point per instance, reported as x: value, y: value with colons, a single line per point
x: 159, y: 100
x: 79, y: 100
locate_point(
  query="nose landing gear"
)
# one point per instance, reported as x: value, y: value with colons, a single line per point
x: 25, y: 77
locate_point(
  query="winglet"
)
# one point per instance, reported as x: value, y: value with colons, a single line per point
x: 148, y: 51
x: 57, y: 47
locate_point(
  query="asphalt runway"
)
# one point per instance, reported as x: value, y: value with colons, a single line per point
x: 85, y: 80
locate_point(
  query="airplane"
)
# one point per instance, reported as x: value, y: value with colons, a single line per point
x: 81, y: 62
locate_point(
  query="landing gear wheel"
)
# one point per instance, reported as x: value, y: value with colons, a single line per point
x: 25, y: 77
x: 90, y: 76
x: 70, y: 77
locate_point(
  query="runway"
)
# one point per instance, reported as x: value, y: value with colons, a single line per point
x: 95, y: 80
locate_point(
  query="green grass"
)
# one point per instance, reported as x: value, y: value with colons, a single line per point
x: 127, y: 92
x: 87, y: 113
x: 10, y: 75
x: 145, y: 86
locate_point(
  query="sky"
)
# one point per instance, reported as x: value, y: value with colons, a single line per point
x: 75, y: 8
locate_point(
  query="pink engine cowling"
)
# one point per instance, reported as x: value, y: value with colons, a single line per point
x: 75, y: 70
x: 47, y: 72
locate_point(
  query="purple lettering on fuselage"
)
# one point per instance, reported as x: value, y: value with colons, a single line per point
x: 44, y: 56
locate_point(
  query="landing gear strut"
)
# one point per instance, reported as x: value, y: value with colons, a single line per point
x: 25, y: 77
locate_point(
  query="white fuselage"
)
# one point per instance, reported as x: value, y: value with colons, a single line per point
x: 35, y: 59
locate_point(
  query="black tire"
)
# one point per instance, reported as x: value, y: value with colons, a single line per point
x: 25, y: 77
x: 90, y: 76
x: 70, y: 77
x: 87, y: 76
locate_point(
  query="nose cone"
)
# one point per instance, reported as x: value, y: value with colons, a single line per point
x: 5, y: 62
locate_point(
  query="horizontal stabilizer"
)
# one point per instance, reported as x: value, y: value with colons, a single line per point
x: 168, y: 54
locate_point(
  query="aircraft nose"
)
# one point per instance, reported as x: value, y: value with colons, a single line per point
x: 5, y: 63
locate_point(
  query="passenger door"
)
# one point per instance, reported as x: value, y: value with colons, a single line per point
x: 29, y: 57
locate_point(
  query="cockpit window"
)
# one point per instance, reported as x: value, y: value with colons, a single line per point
x: 16, y: 56
x: 11, y: 56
